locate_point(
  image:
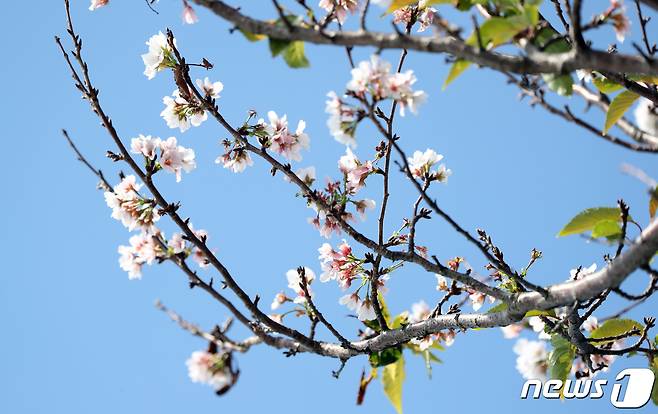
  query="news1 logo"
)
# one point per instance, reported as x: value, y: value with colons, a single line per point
x: 635, y: 394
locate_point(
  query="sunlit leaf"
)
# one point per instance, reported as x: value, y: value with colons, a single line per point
x: 614, y: 327
x: 605, y: 85
x: 587, y: 219
x: 252, y: 37
x: 392, y: 379
x: 653, y: 202
x: 294, y: 55
x: 561, y: 358
x: 619, y: 105
x: 606, y: 228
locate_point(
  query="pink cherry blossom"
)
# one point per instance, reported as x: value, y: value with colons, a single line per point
x: 129, y: 207
x: 189, y: 15
x: 209, y: 88
x: 142, y: 250
x: 98, y: 3
x: 206, y: 368
x: 181, y: 113
x: 176, y: 158
x: 282, y: 140
x: 340, y: 7
x: 342, y: 121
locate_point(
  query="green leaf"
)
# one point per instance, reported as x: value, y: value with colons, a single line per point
x: 498, y: 308
x: 614, y: 327
x: 605, y: 85
x: 252, y: 37
x: 606, y: 228
x: 396, y: 4
x: 392, y: 379
x: 277, y: 46
x: 587, y: 219
x: 385, y: 357
x: 456, y: 69
x: 653, y: 203
x: 496, y: 31
x: 536, y: 312
x: 399, y: 321
x: 618, y: 107
x: 561, y: 358
x: 560, y: 84
x: 545, y: 40
x: 294, y: 55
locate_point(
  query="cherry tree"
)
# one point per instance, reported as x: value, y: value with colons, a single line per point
x: 542, y: 49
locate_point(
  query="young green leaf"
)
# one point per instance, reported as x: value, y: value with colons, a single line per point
x: 587, y: 219
x: 294, y: 55
x: 614, y: 327
x: 560, y: 84
x: 605, y: 85
x: 252, y: 37
x: 277, y: 46
x: 606, y: 228
x: 392, y: 379
x: 653, y: 203
x: 618, y: 107
x: 561, y: 358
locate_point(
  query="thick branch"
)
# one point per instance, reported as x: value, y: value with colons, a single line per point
x: 535, y: 62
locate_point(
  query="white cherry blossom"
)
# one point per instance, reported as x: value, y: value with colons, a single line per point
x: 159, y: 56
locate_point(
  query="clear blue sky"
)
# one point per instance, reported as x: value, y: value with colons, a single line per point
x: 79, y: 337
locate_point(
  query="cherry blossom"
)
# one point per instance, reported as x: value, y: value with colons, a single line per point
x: 620, y: 22
x: 176, y: 158
x: 441, y: 283
x: 211, y: 89
x: 424, y: 15
x: 366, y: 311
x: 351, y: 301
x: 177, y: 243
x: 295, y: 280
x: 512, y: 330
x: 189, y: 15
x: 421, y: 163
x: 236, y: 159
x: 478, y: 298
x: 342, y: 121
x: 355, y: 171
x: 211, y: 369
x: 374, y: 77
x: 538, y: 326
x: 590, y: 323
x: 340, y: 8
x: 98, y: 3
x: 646, y: 116
x: 142, y: 250
x: 159, y: 57
x: 370, y: 77
x: 279, y: 299
x: 197, y: 255
x: 339, y: 265
x: 363, y: 205
x: 581, y: 272
x: 145, y: 145
x: 532, y: 360
x: 307, y: 175
x: 181, y: 113
x: 129, y: 207
x: 282, y: 141
x: 419, y: 312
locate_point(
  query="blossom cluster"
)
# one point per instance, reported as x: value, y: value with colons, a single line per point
x: 209, y: 368
x: 173, y: 157
x: 422, y: 14
x: 343, y: 119
x: 533, y: 355
x: 129, y: 207
x: 646, y: 116
x: 374, y: 78
x: 282, y: 140
x: 421, y: 164
x: 340, y: 8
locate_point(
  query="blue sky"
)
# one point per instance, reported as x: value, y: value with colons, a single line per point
x: 80, y: 337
